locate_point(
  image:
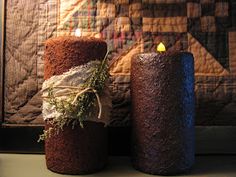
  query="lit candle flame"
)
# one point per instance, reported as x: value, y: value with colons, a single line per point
x: 78, y: 32
x: 98, y: 35
x: 161, y: 47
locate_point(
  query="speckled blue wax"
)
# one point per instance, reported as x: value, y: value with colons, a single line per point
x: 188, y: 103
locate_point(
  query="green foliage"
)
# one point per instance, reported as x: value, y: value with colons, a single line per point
x: 77, y: 112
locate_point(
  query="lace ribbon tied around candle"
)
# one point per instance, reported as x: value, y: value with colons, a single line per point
x: 71, y: 85
x: 78, y: 92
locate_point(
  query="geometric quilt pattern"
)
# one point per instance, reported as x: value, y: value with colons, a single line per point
x: 207, y: 28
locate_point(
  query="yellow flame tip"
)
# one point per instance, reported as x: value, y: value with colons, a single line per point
x: 161, y: 47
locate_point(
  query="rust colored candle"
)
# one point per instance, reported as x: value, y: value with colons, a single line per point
x: 78, y: 150
x: 162, y: 91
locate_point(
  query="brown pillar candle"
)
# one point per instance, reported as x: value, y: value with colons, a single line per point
x: 162, y: 92
x: 78, y: 150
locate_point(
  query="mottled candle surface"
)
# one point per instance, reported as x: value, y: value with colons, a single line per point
x: 78, y: 150
x: 162, y: 91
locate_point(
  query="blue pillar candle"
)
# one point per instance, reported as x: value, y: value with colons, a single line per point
x: 162, y: 93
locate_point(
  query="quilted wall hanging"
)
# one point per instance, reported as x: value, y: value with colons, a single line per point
x: 207, y: 28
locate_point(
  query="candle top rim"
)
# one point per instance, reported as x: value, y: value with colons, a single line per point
x: 74, y: 39
x: 168, y: 53
x: 157, y: 58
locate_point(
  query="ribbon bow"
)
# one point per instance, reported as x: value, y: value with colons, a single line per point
x: 78, y: 92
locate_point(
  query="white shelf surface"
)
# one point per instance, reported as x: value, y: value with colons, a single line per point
x: 33, y: 165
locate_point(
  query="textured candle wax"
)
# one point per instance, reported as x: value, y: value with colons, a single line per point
x: 78, y: 150
x: 162, y: 91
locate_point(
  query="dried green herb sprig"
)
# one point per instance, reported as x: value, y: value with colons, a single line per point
x: 75, y: 109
